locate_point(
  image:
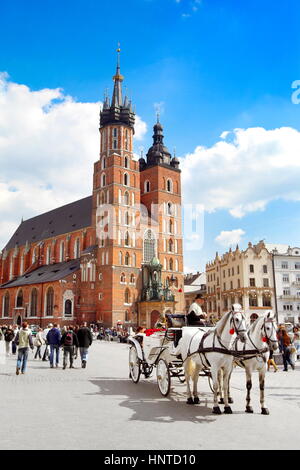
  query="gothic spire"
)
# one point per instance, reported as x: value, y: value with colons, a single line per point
x: 118, y: 79
x: 116, y: 111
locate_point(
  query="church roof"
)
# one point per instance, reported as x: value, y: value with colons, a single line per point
x: 65, y: 219
x: 47, y: 273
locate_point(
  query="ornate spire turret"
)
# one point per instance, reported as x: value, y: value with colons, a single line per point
x: 117, y: 112
x: 158, y: 153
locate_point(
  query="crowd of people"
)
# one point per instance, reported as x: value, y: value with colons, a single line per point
x: 48, y: 342
x: 73, y: 341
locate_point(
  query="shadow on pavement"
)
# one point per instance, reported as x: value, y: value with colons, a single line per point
x: 147, y: 404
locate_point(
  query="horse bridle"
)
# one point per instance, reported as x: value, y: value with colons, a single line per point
x: 268, y: 338
x: 237, y: 328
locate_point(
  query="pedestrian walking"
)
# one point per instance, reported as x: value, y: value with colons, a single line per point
x: 85, y: 339
x: 53, y: 339
x: 285, y: 348
x: 47, y: 349
x: 8, y: 337
x: 69, y: 341
x: 271, y: 362
x: 13, y: 343
x: 24, y: 342
x: 38, y: 343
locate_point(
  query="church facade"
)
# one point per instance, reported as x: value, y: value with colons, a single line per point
x: 115, y: 257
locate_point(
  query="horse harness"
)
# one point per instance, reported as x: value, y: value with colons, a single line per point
x: 240, y: 356
x: 202, y: 351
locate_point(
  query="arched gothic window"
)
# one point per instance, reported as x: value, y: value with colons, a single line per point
x: 19, y: 302
x: 6, y: 305
x: 33, y: 302
x: 149, y: 246
x: 126, y: 198
x: 77, y: 248
x: 49, y: 302
x: 68, y: 308
x: 127, y: 296
x: 169, y: 186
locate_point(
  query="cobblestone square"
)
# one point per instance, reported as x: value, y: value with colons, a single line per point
x: 100, y: 408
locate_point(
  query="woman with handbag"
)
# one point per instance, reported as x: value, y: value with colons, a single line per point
x: 38, y: 343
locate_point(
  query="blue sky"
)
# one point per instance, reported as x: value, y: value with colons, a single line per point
x: 215, y: 65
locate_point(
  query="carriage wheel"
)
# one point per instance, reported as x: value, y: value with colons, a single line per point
x: 163, y: 377
x: 134, y: 365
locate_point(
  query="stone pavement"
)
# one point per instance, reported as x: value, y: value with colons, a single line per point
x: 100, y: 408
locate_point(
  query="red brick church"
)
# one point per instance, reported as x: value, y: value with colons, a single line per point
x: 114, y: 257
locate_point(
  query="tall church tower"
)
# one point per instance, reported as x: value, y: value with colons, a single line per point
x: 160, y: 179
x: 116, y: 195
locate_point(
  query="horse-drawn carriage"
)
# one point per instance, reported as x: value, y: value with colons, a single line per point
x: 206, y: 351
x: 156, y: 349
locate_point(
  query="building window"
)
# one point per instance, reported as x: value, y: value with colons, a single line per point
x: 62, y: 252
x: 127, y: 259
x: 103, y: 180
x: 19, y: 302
x: 297, y: 265
x: 49, y: 302
x: 68, y: 308
x: 266, y: 282
x: 169, y: 186
x: 239, y: 283
x: 252, y: 282
x: 5, y: 305
x: 169, y: 208
x: 286, y: 292
x: 126, y: 198
x: 127, y: 297
x: 147, y: 187
x: 149, y: 246
x: 77, y: 248
x: 238, y: 270
x: 251, y: 268
x: 284, y: 265
x: 132, y: 279
x: 171, y: 265
x: 253, y: 300
x: 33, y: 303
x: 48, y: 256
x: 127, y: 239
x: 266, y: 300
x: 126, y: 162
x: 265, y: 269
x: 285, y: 278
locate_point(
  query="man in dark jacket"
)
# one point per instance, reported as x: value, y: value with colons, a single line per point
x: 85, y: 339
x: 69, y: 340
x: 53, y: 339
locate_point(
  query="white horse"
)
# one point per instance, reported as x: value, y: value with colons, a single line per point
x: 254, y: 354
x: 202, y: 350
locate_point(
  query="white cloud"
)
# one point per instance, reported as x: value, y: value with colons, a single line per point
x: 230, y: 237
x: 48, y: 144
x: 244, y: 171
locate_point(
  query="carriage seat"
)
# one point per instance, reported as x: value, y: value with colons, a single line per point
x: 176, y: 320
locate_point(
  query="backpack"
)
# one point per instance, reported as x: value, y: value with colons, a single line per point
x: 69, y: 339
x: 9, y: 336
